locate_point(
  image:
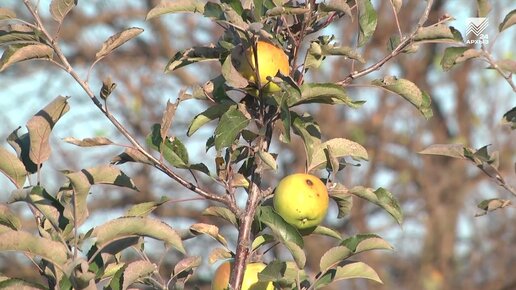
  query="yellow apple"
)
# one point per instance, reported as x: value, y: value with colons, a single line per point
x: 302, y: 201
x: 271, y: 59
x: 221, y: 277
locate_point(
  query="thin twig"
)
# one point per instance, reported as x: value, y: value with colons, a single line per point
x: 402, y: 45
x: 396, y: 19
x: 489, y: 58
x: 156, y: 163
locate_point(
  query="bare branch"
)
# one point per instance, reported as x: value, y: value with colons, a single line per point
x: 508, y: 77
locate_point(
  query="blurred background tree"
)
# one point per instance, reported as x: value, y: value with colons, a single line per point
x: 441, y: 245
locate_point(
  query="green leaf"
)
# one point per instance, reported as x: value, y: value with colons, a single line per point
x: 175, y: 6
x: 214, y: 11
x: 261, y: 240
x: 234, y: 19
x: 22, y: 146
x: 46, y: 204
x: 323, y: 46
x: 136, y: 271
x: 508, y: 21
x: 235, y: 5
x: 21, y: 241
x: 194, y: 55
x: 117, y: 280
x: 273, y: 272
x: 439, y: 33
x: 20, y: 52
x: 482, y: 159
x: 284, y: 10
x: 286, y: 119
x: 111, y: 270
x: 335, y: 5
x: 281, y: 229
x: 349, y: 271
x: 210, y: 230
x: 340, y: 148
x: 455, y: 55
x: 6, y: 13
x: 13, y: 168
x: 17, y: 283
x: 382, y: 198
x: 285, y: 232
x: 340, y: 194
x: 115, y: 41
x: 137, y: 226
x: 221, y: 212
x: 305, y: 127
x: 268, y: 159
x: 104, y: 174
x: 510, y: 118
x: 82, y: 181
x: 210, y: 114
x: 174, y: 151
x: 186, y: 265
x: 219, y: 254
x: 367, y: 20
x: 314, y: 56
x: 283, y: 274
x: 352, y: 246
x: 60, y: 8
x: 8, y: 218
x: 450, y: 150
x: 262, y: 6
x: 232, y: 122
x: 333, y: 257
x: 145, y: 208
x: 492, y: 204
x: 233, y: 77
x: 297, y: 253
x: 365, y: 242
x: 409, y: 91
x: 199, y: 167
x: 88, y: 142
x: 325, y: 93
x: 40, y: 126
x: 131, y: 155
x: 83, y: 278
x: 324, y: 231
x: 19, y: 34
x: 98, y: 256
x: 342, y: 51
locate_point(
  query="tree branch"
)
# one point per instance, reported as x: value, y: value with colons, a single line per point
x: 402, y: 45
x: 493, y: 63
x: 85, y: 86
